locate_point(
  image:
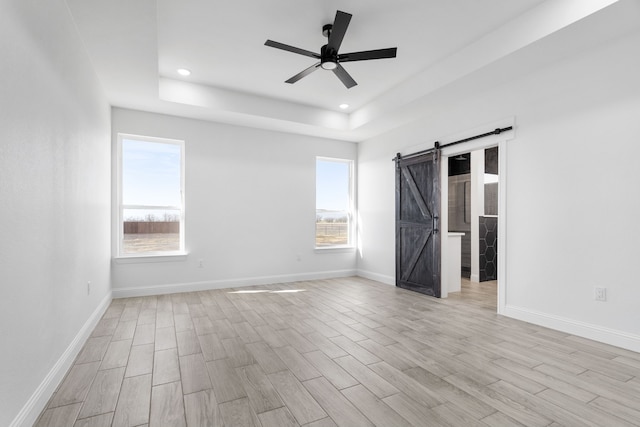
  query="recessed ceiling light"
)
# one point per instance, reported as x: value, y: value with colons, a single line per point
x: 184, y: 72
x: 344, y: 106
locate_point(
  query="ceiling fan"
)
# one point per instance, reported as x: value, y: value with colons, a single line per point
x: 329, y: 57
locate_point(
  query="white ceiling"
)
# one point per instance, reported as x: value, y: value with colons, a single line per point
x: 137, y: 46
x: 223, y: 42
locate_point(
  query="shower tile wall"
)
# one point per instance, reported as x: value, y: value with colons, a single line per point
x: 488, y: 233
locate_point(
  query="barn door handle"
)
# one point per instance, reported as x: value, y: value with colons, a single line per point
x: 435, y: 224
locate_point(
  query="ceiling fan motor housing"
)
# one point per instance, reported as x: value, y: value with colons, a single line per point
x: 328, y: 58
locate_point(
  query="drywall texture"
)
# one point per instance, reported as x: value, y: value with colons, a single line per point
x: 572, y: 180
x: 249, y: 207
x: 55, y: 192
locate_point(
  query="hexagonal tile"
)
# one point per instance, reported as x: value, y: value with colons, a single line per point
x: 490, y: 271
x: 490, y: 254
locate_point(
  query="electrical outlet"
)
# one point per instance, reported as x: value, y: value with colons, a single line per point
x: 88, y: 287
x: 200, y: 263
x: 600, y: 294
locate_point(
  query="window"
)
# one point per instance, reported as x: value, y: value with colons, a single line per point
x: 334, y: 202
x: 151, y: 196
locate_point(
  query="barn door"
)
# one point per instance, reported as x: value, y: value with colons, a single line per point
x: 417, y: 223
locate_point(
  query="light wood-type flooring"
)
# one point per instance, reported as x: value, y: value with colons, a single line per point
x: 343, y: 352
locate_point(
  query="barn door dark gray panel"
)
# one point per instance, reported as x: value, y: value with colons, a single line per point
x: 417, y: 223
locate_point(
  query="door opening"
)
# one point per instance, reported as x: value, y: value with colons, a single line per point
x: 473, y: 211
x: 487, y: 205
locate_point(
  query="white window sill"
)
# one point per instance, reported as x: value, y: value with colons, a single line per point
x: 335, y: 249
x: 135, y: 259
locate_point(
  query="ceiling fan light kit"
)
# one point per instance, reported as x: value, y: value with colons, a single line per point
x: 329, y: 57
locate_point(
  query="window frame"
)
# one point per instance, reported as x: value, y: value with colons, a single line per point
x: 351, y: 244
x: 120, y: 207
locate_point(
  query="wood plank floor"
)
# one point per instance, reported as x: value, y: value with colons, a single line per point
x: 341, y: 352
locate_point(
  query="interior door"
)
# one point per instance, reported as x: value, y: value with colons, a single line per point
x: 417, y: 223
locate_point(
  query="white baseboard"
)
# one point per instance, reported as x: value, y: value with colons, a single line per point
x: 382, y: 278
x: 582, y: 329
x: 29, y: 413
x: 227, y: 283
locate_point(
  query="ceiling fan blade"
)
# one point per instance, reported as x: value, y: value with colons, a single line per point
x: 340, y: 25
x: 368, y: 54
x: 303, y: 73
x: 344, y: 77
x: 288, y: 48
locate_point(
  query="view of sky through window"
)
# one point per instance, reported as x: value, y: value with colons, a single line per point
x: 150, y: 173
x: 332, y: 185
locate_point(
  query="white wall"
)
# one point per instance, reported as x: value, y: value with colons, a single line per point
x: 572, y: 187
x: 250, y: 207
x: 55, y: 194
